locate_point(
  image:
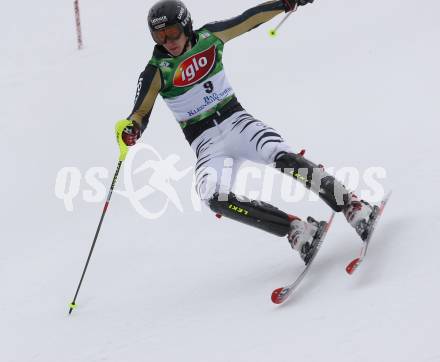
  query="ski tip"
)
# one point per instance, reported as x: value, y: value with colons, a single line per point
x: 278, y: 295
x: 352, y: 266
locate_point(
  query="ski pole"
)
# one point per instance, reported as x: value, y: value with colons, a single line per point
x: 120, y: 126
x: 273, y: 32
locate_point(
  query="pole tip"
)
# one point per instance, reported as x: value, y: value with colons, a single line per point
x: 72, y: 306
x: 272, y: 33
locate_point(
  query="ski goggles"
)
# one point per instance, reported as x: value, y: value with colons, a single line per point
x: 172, y: 32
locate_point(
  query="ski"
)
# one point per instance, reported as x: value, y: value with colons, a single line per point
x: 280, y: 295
x: 377, y: 213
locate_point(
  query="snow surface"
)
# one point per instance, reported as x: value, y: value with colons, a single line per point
x: 356, y: 83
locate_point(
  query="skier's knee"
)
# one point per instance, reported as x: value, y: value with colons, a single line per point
x: 294, y: 161
x: 218, y: 198
x: 205, y: 188
x: 209, y: 190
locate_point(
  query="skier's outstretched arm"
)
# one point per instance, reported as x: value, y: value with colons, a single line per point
x: 148, y: 88
x: 252, y: 18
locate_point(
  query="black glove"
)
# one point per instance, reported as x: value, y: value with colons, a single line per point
x: 290, y: 5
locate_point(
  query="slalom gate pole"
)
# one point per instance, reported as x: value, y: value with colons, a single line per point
x: 78, y: 25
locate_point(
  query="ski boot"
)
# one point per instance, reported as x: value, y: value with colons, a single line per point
x: 302, y: 237
x: 360, y: 214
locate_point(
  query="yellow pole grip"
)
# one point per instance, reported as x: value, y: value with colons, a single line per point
x: 119, y: 128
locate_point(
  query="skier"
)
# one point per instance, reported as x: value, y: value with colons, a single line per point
x: 186, y: 69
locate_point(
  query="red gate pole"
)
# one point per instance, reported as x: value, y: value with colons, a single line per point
x: 78, y: 25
